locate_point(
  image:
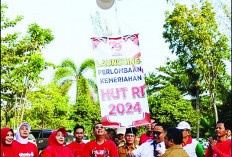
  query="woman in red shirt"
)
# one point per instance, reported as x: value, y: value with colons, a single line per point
x: 23, y: 148
x: 7, y: 137
x: 55, y: 145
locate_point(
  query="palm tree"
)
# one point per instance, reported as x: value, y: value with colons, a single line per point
x: 68, y: 73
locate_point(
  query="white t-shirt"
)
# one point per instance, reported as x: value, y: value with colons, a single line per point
x: 147, y: 149
x: 191, y: 148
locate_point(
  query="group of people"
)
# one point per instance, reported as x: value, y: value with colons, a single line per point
x: 20, y: 147
x: 159, y: 140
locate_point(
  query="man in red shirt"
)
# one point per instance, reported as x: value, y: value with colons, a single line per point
x: 149, y: 134
x: 100, y: 147
x: 221, y: 147
x: 78, y: 145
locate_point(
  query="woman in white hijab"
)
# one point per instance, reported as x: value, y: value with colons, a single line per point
x: 23, y: 147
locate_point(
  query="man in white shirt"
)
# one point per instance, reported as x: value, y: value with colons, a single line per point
x: 191, y: 146
x: 150, y: 147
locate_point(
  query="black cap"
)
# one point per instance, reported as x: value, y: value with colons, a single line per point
x: 131, y: 131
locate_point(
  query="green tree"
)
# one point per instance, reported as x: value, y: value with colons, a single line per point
x: 68, y: 73
x: 154, y: 82
x: 221, y: 7
x: 194, y: 38
x: 21, y: 64
x: 186, y: 79
x: 168, y: 106
x: 224, y: 94
x: 49, y: 108
x: 86, y: 112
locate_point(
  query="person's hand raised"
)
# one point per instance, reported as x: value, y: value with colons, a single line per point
x: 212, y: 143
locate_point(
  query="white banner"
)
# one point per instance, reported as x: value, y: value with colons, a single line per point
x: 120, y: 80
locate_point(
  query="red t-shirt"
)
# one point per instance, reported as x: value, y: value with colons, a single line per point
x: 144, y: 138
x: 222, y: 149
x: 107, y: 148
x: 7, y: 151
x: 57, y: 151
x: 76, y: 148
x: 54, y: 149
x: 25, y: 150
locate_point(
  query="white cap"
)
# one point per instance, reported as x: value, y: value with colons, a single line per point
x: 121, y: 131
x: 183, y: 125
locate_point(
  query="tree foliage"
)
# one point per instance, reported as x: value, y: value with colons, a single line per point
x: 68, y: 73
x: 220, y: 7
x: 21, y: 64
x: 195, y: 39
x: 167, y: 105
x: 49, y: 108
x: 86, y: 112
